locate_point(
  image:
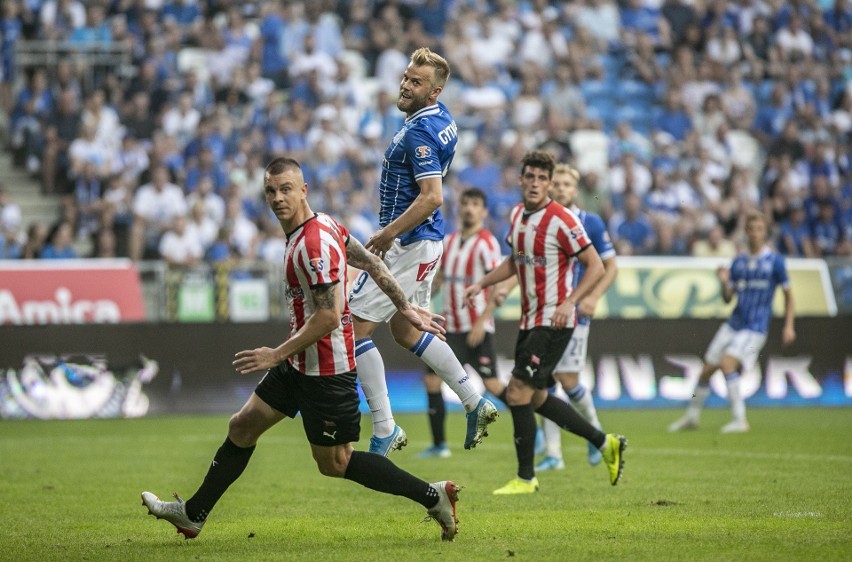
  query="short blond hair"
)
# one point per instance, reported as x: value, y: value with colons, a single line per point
x: 424, y: 56
x: 755, y: 215
x: 566, y: 169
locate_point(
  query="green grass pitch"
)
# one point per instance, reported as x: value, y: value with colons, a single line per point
x: 70, y: 491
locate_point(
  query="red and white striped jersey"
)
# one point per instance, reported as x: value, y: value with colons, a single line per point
x: 543, y: 245
x: 463, y: 263
x: 316, y: 255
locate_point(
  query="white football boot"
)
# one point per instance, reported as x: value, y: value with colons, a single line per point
x: 444, y: 512
x: 173, y: 512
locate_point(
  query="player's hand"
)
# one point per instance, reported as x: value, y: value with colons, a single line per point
x: 788, y: 336
x: 500, y: 295
x: 562, y: 314
x: 476, y: 335
x: 251, y: 360
x: 425, y: 320
x: 723, y: 274
x: 470, y: 294
x: 586, y: 307
x: 379, y: 243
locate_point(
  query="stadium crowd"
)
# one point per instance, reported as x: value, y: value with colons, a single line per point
x: 682, y: 115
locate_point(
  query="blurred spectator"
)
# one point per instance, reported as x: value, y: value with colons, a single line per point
x: 601, y: 18
x: 59, y: 18
x: 35, y: 240
x: 59, y: 243
x: 673, y: 119
x: 481, y: 172
x: 827, y: 230
x: 180, y: 245
x: 794, y: 237
x: 105, y: 244
x: 628, y: 177
x: 155, y: 205
x: 714, y: 244
x: 633, y: 225
x: 10, y: 212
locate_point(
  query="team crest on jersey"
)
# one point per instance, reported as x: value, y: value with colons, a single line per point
x: 316, y: 264
x: 397, y: 138
x: 423, y: 152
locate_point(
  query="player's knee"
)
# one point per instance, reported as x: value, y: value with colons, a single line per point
x: 333, y: 466
x: 240, y: 430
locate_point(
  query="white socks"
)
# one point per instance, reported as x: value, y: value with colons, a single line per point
x: 582, y: 401
x: 552, y: 437
x: 735, y: 396
x: 441, y: 359
x: 693, y: 411
x: 371, y: 373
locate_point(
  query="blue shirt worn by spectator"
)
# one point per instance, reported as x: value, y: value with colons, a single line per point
x: 484, y: 177
x: 638, y: 231
x: 754, y: 279
x: 797, y: 233
x: 423, y: 148
x: 10, y: 32
x: 676, y: 123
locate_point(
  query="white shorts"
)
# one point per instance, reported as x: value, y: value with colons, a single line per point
x: 573, y: 359
x: 743, y: 345
x: 413, y: 266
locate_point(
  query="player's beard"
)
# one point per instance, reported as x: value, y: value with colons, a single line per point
x: 411, y: 105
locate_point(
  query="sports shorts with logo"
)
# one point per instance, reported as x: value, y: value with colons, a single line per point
x: 744, y: 345
x: 482, y: 358
x: 329, y: 405
x: 413, y: 266
x: 573, y: 359
x: 537, y: 351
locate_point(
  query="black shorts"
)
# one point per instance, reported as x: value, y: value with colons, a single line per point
x: 329, y: 405
x: 482, y: 358
x: 537, y: 352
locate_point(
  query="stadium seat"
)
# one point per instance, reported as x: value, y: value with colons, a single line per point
x: 637, y: 114
x: 595, y: 90
x: 635, y: 91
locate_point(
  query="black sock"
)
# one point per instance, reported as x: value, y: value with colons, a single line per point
x: 227, y: 465
x: 502, y: 396
x: 437, y: 415
x: 523, y: 420
x: 379, y: 473
x: 569, y: 419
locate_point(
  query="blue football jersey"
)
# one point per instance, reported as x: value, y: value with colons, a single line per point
x: 596, y: 229
x: 754, y: 279
x: 423, y: 148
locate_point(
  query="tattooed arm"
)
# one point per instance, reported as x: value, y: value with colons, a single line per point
x: 360, y: 258
x: 323, y: 321
x: 420, y: 318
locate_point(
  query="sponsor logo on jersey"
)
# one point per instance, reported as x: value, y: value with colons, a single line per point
x: 423, y: 152
x: 316, y: 264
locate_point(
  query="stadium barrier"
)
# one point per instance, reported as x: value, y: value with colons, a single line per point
x: 99, y: 370
x: 108, y: 291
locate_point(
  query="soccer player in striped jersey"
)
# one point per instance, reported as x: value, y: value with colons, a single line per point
x: 546, y: 240
x: 410, y: 242
x: 469, y: 253
x: 753, y: 277
x: 313, y: 371
x: 564, y: 192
